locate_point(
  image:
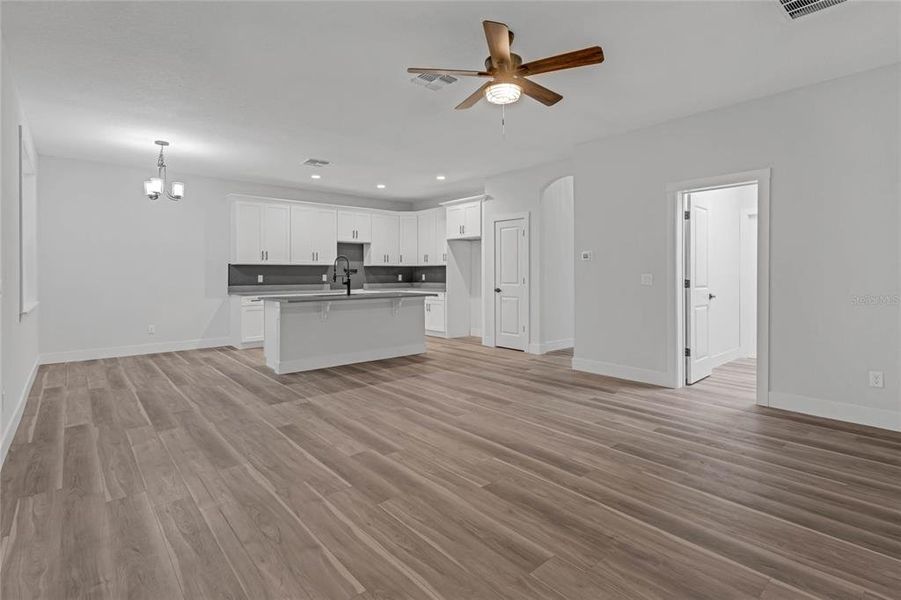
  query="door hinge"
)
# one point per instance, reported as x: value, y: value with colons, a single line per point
x: 687, y: 215
x: 687, y: 283
x: 688, y: 352
x: 523, y: 328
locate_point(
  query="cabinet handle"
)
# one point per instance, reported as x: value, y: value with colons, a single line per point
x: 261, y: 255
x: 312, y: 256
x: 401, y: 258
x: 445, y: 256
x: 267, y: 254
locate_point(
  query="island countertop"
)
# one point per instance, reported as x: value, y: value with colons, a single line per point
x: 343, y: 297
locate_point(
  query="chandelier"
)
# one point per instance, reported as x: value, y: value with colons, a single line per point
x: 154, y: 187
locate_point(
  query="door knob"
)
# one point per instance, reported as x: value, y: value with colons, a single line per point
x: 711, y: 296
x: 497, y: 290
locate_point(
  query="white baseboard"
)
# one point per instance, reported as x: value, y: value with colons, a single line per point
x: 475, y: 332
x: 10, y: 431
x: 661, y: 378
x: 349, y: 358
x: 840, y: 411
x: 545, y: 347
x: 116, y: 351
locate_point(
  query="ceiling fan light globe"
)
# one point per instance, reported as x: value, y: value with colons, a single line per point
x: 503, y: 93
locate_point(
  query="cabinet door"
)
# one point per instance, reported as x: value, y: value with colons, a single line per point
x: 363, y: 225
x: 248, y: 233
x: 252, y: 323
x: 434, y: 315
x: 302, y: 236
x: 441, y: 237
x: 472, y: 220
x: 456, y: 218
x: 325, y: 235
x: 384, y: 248
x: 276, y: 233
x: 409, y: 246
x: 426, y: 238
x: 346, y: 226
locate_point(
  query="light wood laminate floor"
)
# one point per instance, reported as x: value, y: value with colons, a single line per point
x: 464, y: 473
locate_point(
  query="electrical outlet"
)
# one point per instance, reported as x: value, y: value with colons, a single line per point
x: 325, y: 277
x: 647, y: 279
x: 259, y: 279
x: 151, y: 330
x: 876, y: 379
x: 586, y: 255
x: 400, y: 276
x: 423, y: 276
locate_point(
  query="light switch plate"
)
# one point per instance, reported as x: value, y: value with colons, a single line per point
x: 877, y: 380
x: 325, y: 277
x: 586, y: 255
x: 259, y: 279
x: 647, y: 279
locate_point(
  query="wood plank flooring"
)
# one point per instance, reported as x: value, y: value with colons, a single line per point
x: 464, y: 473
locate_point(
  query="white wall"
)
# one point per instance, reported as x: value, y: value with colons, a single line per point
x: 556, y: 266
x: 515, y: 193
x: 19, y: 339
x: 725, y: 208
x: 475, y: 289
x: 112, y: 262
x: 833, y: 150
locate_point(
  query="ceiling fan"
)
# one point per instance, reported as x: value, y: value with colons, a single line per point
x: 508, y: 72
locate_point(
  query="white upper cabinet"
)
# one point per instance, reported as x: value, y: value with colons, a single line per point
x: 385, y: 246
x: 409, y: 240
x: 313, y: 235
x: 464, y: 221
x: 248, y: 233
x: 354, y: 226
x: 441, y: 237
x: 428, y: 246
x: 277, y: 234
x: 261, y: 233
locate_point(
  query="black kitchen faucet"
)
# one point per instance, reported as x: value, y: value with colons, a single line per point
x: 345, y: 279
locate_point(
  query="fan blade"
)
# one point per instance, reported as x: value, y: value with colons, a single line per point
x: 473, y: 98
x: 498, y: 36
x: 538, y: 92
x: 454, y: 72
x: 569, y: 60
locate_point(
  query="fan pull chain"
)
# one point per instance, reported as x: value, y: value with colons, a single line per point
x: 504, y: 121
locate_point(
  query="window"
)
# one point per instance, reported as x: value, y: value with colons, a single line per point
x: 28, y: 227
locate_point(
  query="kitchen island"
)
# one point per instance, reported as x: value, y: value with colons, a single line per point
x: 315, y: 331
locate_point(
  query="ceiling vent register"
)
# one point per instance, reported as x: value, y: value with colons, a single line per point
x: 802, y: 8
x: 433, y: 81
x: 316, y: 162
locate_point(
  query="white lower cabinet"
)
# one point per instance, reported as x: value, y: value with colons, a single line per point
x: 435, y: 315
x: 251, y: 320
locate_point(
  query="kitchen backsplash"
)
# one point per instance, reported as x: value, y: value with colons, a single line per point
x: 303, y: 274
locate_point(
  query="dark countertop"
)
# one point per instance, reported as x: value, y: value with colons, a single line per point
x: 343, y: 297
x: 262, y: 290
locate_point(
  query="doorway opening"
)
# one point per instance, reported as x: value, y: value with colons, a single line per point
x: 722, y: 283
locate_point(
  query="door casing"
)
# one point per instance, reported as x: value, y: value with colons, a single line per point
x: 676, y: 295
x: 488, y: 264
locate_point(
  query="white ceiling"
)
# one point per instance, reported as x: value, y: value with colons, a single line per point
x: 250, y: 90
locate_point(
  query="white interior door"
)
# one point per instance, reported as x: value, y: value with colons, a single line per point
x: 510, y: 288
x: 698, y: 361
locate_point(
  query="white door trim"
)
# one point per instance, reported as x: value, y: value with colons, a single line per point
x: 676, y: 296
x: 488, y: 261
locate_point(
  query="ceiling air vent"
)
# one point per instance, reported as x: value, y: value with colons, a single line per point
x: 432, y: 81
x: 802, y: 8
x: 315, y: 162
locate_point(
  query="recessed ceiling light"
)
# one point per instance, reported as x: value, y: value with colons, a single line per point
x: 381, y: 186
x: 315, y: 176
x: 440, y: 177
